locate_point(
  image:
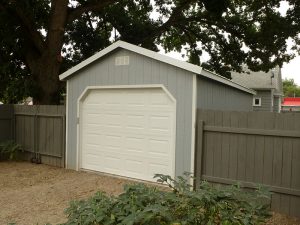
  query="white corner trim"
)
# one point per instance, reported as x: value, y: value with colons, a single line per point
x: 89, y: 88
x: 194, y: 112
x: 67, y: 123
x: 121, y: 44
x: 279, y: 105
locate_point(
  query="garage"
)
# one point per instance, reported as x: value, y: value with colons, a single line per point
x: 131, y: 112
x: 128, y: 131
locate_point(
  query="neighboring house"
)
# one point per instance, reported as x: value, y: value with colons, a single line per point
x: 267, y: 85
x: 132, y: 112
x: 291, y: 104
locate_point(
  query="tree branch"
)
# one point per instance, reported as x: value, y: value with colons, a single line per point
x: 96, y: 5
x: 26, y: 23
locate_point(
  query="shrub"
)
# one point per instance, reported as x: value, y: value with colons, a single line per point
x: 9, y: 150
x: 147, y: 205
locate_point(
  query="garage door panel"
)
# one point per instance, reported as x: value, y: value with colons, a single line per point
x: 134, y: 166
x: 135, y: 121
x: 155, y: 168
x: 159, y: 99
x: 135, y: 144
x: 159, y: 147
x: 93, y: 160
x: 128, y: 132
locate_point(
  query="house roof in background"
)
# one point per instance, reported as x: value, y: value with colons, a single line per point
x: 157, y: 56
x: 260, y: 80
x: 291, y: 101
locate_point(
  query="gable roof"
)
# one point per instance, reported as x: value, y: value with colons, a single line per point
x: 157, y: 56
x: 260, y: 80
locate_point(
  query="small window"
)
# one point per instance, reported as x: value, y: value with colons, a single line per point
x: 122, y: 60
x: 256, y: 101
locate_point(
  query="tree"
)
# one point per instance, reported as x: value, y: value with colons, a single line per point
x: 290, y: 88
x: 42, y: 38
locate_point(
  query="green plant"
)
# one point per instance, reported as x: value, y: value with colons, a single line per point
x: 148, y: 205
x: 9, y: 150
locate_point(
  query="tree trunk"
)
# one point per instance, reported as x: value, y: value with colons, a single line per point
x: 46, y: 74
x: 45, y: 66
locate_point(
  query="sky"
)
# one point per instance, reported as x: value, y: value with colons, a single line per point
x: 289, y: 70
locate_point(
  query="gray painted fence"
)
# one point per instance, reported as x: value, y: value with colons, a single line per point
x: 39, y: 129
x: 252, y: 148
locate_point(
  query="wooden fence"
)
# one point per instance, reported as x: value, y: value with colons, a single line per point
x: 39, y: 129
x: 252, y: 148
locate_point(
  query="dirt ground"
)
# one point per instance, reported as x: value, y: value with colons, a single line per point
x: 33, y: 194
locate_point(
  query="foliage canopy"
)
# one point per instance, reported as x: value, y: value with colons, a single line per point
x: 290, y: 88
x: 40, y: 39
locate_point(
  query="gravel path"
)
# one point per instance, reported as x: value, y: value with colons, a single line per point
x: 38, y: 194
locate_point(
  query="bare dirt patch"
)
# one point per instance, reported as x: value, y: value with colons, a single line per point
x: 33, y: 194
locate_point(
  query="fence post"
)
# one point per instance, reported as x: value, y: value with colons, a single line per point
x: 199, y: 150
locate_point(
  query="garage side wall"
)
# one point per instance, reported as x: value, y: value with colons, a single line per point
x: 141, y: 70
x: 216, y: 96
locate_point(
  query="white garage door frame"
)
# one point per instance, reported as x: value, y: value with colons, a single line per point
x: 150, y: 86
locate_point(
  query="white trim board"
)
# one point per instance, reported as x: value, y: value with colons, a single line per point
x: 121, y: 44
x: 194, y: 112
x: 157, y: 56
x: 67, y: 124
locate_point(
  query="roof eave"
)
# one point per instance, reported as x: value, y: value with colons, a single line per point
x: 216, y: 77
x: 121, y: 44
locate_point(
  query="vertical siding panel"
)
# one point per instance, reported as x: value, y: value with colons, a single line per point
x: 163, y: 74
x: 146, y: 73
x: 138, y: 69
x: 213, y: 95
x: 179, y: 123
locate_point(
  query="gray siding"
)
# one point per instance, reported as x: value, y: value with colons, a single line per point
x: 141, y: 70
x: 216, y: 96
x: 266, y: 101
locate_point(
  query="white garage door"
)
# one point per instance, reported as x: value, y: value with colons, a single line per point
x: 128, y: 132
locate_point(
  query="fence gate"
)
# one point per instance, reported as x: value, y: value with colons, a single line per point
x: 40, y: 130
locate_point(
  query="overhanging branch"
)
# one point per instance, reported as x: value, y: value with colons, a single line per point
x: 89, y: 7
x: 26, y: 23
